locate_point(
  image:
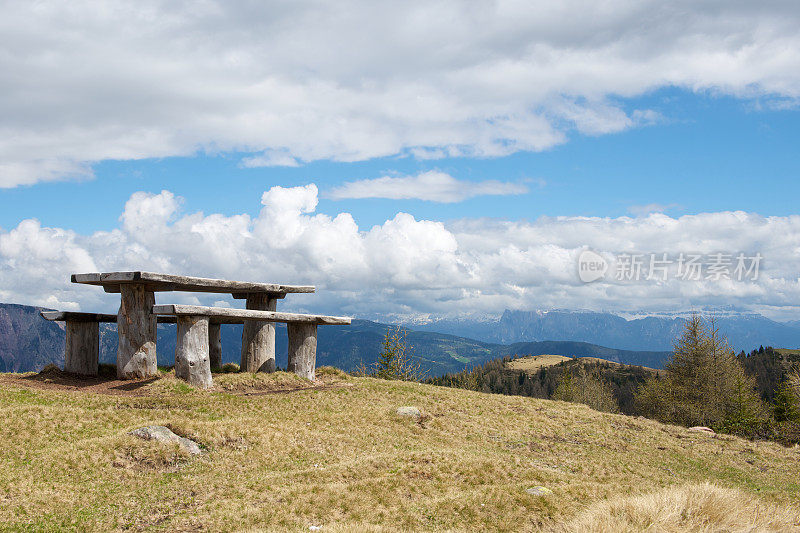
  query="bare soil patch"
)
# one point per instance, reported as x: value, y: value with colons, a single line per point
x: 52, y: 378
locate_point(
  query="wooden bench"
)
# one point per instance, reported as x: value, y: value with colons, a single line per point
x: 199, y: 338
x: 82, y: 350
x: 192, y: 359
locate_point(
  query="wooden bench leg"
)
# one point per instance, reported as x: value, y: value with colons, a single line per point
x: 82, y: 351
x: 192, y: 362
x: 258, y: 337
x: 302, y: 349
x: 136, y: 328
x: 215, y: 345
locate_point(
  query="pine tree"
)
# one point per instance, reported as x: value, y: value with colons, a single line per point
x: 565, y: 391
x: 787, y: 405
x: 396, y: 359
x: 704, y: 384
x: 587, y: 388
x: 786, y: 410
x: 687, y: 374
x: 744, y: 412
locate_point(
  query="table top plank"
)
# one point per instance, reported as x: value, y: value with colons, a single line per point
x: 267, y: 316
x: 157, y: 282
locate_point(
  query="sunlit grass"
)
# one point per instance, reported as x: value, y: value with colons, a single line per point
x: 281, y: 453
x: 532, y: 363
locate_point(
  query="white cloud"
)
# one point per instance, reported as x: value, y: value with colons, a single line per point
x: 404, y: 265
x: 34, y: 260
x: 349, y: 81
x: 432, y: 186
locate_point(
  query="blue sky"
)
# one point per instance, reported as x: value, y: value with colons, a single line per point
x: 411, y: 159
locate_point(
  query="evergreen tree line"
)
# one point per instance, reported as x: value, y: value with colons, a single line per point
x: 754, y: 395
x: 572, y: 380
x: 770, y: 367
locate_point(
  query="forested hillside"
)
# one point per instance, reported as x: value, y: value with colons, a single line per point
x: 500, y: 377
x: 770, y: 367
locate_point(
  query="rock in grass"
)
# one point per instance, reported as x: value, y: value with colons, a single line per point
x: 702, y: 429
x: 164, y: 434
x: 539, y: 491
x: 409, y: 411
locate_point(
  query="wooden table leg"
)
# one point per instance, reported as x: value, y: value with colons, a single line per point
x: 83, y: 348
x: 302, y: 349
x: 136, y: 329
x: 215, y: 345
x: 192, y: 361
x: 258, y: 337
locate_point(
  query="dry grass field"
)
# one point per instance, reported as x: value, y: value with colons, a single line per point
x: 283, y: 454
x: 532, y: 363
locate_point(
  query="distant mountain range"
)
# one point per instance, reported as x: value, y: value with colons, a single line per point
x: 28, y: 342
x: 744, y: 331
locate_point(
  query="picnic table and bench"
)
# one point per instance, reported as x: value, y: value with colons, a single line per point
x: 199, y: 346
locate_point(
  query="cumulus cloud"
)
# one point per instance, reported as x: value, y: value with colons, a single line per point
x: 404, y: 265
x: 33, y: 261
x: 432, y: 186
x: 347, y: 81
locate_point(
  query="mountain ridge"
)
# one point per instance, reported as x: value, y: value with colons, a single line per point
x: 28, y: 342
x: 649, y: 332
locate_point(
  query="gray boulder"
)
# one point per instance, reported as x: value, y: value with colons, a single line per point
x: 409, y: 411
x: 164, y: 434
x: 702, y: 429
x: 538, y: 491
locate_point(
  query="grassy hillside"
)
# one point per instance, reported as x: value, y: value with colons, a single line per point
x: 283, y: 454
x: 539, y: 376
x: 532, y: 363
x: 582, y: 349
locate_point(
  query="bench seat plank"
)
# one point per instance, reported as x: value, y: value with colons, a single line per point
x: 248, y: 314
x: 157, y: 282
x: 76, y: 316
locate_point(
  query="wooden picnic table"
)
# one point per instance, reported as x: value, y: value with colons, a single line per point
x: 136, y: 323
